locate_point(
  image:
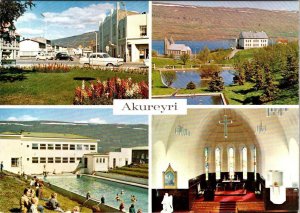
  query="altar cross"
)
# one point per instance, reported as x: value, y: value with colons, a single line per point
x: 225, y: 122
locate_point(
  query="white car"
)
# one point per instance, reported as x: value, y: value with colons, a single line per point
x: 44, y: 56
x: 101, y: 59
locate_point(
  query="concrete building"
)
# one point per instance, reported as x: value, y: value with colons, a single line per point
x: 34, y: 153
x: 176, y: 49
x: 31, y: 47
x: 95, y: 162
x: 119, y: 158
x: 250, y: 39
x: 9, y: 50
x: 125, y: 34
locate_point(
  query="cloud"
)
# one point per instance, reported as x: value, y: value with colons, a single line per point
x: 93, y: 121
x: 22, y: 118
x: 27, y: 17
x: 30, y: 31
x: 77, y: 17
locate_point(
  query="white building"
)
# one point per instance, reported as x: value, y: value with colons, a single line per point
x: 31, y: 47
x: 250, y: 39
x: 9, y: 50
x: 125, y: 34
x: 33, y: 153
x: 95, y: 162
x: 171, y: 48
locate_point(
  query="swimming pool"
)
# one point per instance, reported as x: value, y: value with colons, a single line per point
x: 98, y: 187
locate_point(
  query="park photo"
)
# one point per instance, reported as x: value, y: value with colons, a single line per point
x: 248, y: 54
x: 73, y: 52
x: 73, y: 160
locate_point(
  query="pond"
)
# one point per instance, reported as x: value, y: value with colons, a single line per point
x: 184, y: 77
x: 197, y: 99
x: 109, y: 189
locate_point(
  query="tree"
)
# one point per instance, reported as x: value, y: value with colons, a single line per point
x: 10, y: 11
x: 191, y: 85
x: 203, y: 55
x: 207, y: 71
x: 185, y: 58
x: 216, y: 84
x: 290, y: 71
x: 169, y: 77
x: 270, y: 90
x: 259, y: 78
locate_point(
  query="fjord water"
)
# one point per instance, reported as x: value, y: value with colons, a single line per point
x: 196, y: 46
x: 109, y: 189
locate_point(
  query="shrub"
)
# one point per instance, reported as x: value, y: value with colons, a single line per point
x: 51, y: 68
x: 154, y: 53
x: 185, y: 58
x: 191, y: 85
x: 216, y: 84
x: 103, y: 93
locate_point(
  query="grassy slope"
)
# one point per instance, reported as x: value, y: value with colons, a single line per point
x: 141, y: 171
x: 12, y: 189
x: 34, y: 88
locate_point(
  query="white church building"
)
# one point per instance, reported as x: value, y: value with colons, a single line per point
x: 35, y: 153
x: 248, y: 40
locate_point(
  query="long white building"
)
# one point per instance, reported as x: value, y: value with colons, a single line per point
x: 34, y: 153
x: 250, y: 39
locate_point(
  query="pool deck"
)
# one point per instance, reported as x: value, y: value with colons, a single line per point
x: 118, y: 181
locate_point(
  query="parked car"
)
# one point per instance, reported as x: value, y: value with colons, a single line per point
x: 147, y: 62
x: 101, y: 59
x: 63, y: 56
x: 44, y: 56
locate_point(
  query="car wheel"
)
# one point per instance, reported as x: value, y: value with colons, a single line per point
x: 110, y: 65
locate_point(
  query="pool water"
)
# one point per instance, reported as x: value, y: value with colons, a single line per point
x: 198, y: 99
x: 184, y: 77
x: 109, y: 189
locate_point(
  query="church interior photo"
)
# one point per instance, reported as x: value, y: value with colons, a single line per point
x: 226, y: 160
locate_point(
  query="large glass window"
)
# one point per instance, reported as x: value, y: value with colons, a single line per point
x: 206, y: 162
x: 50, y: 146
x: 218, y: 163
x: 143, y: 30
x: 57, y: 146
x: 35, y: 160
x: 43, y: 146
x: 79, y: 147
x: 65, y: 146
x: 57, y: 160
x: 35, y: 146
x: 50, y: 160
x: 42, y: 160
x: 72, y: 146
x: 14, y: 162
x: 93, y: 147
x: 244, y: 162
x: 231, y: 163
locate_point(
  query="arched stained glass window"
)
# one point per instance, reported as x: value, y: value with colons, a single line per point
x: 206, y: 162
x: 244, y: 162
x: 231, y: 163
x: 218, y: 163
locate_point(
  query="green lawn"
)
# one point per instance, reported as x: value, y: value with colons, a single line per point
x: 163, y: 62
x: 140, y: 172
x: 12, y: 188
x: 35, y: 88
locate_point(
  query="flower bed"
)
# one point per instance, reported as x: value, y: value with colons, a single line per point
x: 103, y: 92
x: 51, y: 68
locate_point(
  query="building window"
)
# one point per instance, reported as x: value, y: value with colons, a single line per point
x: 85, y: 147
x: 58, y: 146
x: 143, y: 30
x: 50, y: 147
x: 254, y: 162
x: 244, y: 163
x: 72, y: 160
x: 231, y: 163
x: 42, y: 160
x: 35, y: 160
x: 58, y: 160
x: 43, y: 146
x: 50, y: 160
x: 206, y: 162
x: 65, y: 146
x: 218, y: 163
x: 79, y: 147
x: 79, y: 159
x: 100, y: 160
x: 35, y: 146
x: 103, y: 160
x: 72, y: 147
x: 65, y: 160
x: 93, y: 147
x: 14, y: 162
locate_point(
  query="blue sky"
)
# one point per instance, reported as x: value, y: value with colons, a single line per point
x: 67, y: 18
x: 98, y: 116
x: 267, y: 5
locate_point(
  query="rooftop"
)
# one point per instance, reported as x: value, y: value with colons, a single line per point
x: 251, y: 34
x: 181, y: 47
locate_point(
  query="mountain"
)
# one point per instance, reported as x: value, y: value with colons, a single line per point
x: 111, y: 136
x: 84, y: 40
x: 218, y: 23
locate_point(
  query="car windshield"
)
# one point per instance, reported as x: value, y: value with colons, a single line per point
x: 106, y: 55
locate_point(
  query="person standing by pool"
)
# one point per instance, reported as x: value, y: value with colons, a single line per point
x: 132, y: 209
x: 1, y: 166
x: 122, y: 206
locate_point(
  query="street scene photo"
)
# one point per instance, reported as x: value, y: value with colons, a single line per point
x: 73, y: 52
x: 226, y: 52
x: 73, y: 160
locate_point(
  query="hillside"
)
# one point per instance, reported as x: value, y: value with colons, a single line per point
x: 74, y: 41
x: 112, y: 136
x: 218, y: 23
